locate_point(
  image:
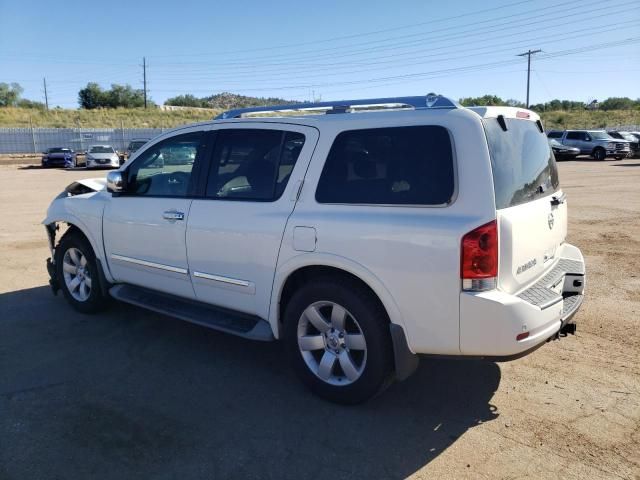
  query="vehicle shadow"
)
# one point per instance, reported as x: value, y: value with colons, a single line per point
x: 627, y: 165
x: 130, y: 393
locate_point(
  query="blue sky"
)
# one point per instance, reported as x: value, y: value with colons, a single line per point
x: 331, y: 49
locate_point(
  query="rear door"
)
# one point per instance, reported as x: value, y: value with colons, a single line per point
x: 531, y: 212
x: 234, y: 233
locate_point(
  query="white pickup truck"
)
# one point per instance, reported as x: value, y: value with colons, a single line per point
x: 362, y: 235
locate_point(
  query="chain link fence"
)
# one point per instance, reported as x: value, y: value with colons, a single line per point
x: 36, y: 140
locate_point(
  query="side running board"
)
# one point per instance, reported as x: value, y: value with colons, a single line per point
x: 236, y: 323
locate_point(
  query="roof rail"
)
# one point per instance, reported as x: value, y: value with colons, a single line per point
x: 345, y: 106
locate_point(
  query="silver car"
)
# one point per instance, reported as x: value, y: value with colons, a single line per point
x: 102, y: 156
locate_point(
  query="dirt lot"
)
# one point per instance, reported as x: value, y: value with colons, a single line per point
x: 130, y: 394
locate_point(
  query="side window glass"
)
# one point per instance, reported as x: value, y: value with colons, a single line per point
x: 389, y: 166
x: 252, y: 164
x: 165, y: 169
x: 573, y: 136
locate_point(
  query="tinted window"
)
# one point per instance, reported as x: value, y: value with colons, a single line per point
x: 574, y: 136
x: 554, y: 135
x: 165, y: 169
x: 522, y: 163
x: 252, y: 164
x: 101, y: 149
x: 389, y: 166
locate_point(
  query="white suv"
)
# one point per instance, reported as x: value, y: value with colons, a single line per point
x: 361, y: 235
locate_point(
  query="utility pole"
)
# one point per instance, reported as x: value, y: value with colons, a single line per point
x: 144, y: 79
x: 528, y: 54
x: 46, y: 98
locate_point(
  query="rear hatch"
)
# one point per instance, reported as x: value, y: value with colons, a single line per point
x: 531, y: 211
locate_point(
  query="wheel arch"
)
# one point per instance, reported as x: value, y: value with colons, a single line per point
x: 76, y: 224
x: 305, y: 267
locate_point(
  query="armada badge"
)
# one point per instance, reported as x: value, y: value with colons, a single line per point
x: 550, y: 221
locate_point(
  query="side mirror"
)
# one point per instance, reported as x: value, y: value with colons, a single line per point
x: 115, y: 182
x: 588, y: 138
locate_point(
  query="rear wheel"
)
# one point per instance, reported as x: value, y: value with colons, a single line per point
x: 338, y: 341
x: 618, y: 157
x: 599, y: 154
x: 77, y: 272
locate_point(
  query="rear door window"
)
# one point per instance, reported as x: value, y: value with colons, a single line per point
x: 389, y: 166
x: 252, y: 164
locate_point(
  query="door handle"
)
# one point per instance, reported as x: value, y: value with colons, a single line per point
x: 173, y: 215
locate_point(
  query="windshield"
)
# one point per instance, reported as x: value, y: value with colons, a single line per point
x: 628, y: 136
x: 59, y: 150
x: 133, y: 146
x: 601, y: 135
x: 101, y: 149
x: 523, y: 166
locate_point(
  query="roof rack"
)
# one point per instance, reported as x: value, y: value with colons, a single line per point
x: 347, y: 106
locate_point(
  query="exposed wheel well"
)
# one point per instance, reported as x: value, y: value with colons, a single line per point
x: 308, y: 274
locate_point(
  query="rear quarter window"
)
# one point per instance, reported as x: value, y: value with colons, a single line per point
x: 389, y: 166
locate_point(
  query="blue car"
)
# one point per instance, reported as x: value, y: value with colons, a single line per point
x: 59, y: 157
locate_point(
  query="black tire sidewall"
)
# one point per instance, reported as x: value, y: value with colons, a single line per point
x: 96, y: 300
x: 599, y: 154
x: 372, y: 320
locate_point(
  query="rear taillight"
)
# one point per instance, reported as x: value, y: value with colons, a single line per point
x: 479, y: 258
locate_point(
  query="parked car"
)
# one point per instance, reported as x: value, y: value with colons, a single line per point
x: 358, y: 240
x: 596, y: 143
x: 634, y: 142
x: 102, y: 156
x: 563, y: 152
x: 134, y: 146
x: 59, y: 157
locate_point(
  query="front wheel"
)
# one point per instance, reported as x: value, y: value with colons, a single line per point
x: 599, y: 154
x: 337, y: 339
x: 618, y: 157
x: 77, y: 273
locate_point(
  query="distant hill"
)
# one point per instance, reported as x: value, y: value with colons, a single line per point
x: 225, y: 101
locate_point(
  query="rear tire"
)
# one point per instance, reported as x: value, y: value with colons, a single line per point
x: 599, y: 154
x: 618, y: 157
x: 337, y: 339
x: 77, y: 273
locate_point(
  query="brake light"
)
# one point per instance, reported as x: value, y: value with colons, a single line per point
x: 479, y: 258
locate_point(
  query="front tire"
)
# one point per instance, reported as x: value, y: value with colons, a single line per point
x: 618, y: 157
x: 337, y: 339
x: 77, y: 273
x: 599, y: 154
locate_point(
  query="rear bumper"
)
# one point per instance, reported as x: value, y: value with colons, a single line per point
x: 490, y: 322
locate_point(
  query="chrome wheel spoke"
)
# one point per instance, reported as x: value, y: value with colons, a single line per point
x: 87, y: 280
x: 83, y: 260
x: 317, y: 320
x: 84, y: 290
x: 73, y: 284
x: 311, y: 342
x: 326, y: 365
x: 355, y: 342
x: 338, y: 315
x: 69, y: 268
x: 348, y: 367
x: 73, y: 255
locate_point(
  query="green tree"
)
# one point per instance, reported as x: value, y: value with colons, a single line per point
x: 491, y: 100
x: 91, y: 96
x: 618, y: 103
x: 187, y: 100
x: 10, y: 94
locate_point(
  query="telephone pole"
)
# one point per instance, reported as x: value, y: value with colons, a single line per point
x: 46, y: 97
x: 528, y: 54
x: 144, y: 79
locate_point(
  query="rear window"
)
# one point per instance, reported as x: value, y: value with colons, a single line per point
x: 389, y: 166
x: 523, y: 166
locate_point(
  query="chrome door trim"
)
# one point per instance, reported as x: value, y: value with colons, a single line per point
x: 218, y: 278
x: 145, y: 263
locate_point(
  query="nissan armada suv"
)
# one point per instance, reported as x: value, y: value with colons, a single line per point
x: 360, y: 235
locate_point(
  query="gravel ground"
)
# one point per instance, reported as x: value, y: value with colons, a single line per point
x: 130, y: 394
